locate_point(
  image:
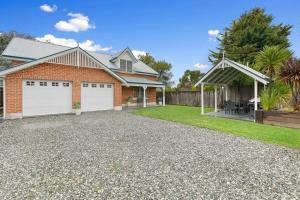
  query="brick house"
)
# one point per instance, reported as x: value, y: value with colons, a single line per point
x: 49, y: 79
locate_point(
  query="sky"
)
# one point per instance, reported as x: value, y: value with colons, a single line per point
x: 180, y: 32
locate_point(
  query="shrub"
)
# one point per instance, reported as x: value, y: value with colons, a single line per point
x: 290, y: 74
x: 279, y: 96
x: 77, y: 105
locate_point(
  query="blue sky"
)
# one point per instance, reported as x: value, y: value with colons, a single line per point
x: 176, y: 31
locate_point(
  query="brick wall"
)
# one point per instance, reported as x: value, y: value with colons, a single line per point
x: 128, y: 91
x: 46, y: 71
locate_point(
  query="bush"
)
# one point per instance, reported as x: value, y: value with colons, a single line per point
x: 279, y: 97
x: 77, y: 105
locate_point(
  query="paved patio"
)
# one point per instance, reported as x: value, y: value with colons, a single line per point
x: 116, y: 155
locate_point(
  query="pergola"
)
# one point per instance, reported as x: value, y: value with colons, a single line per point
x: 224, y: 73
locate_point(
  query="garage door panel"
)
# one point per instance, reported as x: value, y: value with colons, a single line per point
x: 46, y: 99
x: 96, y: 98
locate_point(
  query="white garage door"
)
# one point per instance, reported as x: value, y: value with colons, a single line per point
x: 46, y: 97
x: 97, y: 96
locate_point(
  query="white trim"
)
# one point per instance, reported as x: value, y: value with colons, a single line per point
x: 208, y: 73
x: 254, y: 76
x: 143, y: 85
x: 216, y: 99
x: 144, y: 99
x: 226, y: 93
x: 164, y: 96
x: 246, y: 70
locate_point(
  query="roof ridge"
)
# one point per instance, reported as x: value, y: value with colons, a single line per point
x: 50, y: 43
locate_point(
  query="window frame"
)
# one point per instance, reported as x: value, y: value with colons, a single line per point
x: 126, y: 65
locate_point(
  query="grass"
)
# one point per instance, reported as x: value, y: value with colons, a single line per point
x: 191, y: 116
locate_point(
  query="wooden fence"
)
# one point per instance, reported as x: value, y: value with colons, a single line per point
x: 193, y: 98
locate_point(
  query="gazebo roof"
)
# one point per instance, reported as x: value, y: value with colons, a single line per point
x: 227, y: 70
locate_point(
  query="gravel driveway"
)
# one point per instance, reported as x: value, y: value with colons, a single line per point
x: 116, y: 155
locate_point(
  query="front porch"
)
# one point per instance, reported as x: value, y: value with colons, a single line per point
x: 140, y: 92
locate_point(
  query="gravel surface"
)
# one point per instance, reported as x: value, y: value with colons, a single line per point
x: 116, y: 155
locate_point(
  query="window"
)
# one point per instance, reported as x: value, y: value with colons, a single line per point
x: 129, y: 66
x: 85, y: 85
x: 108, y: 85
x: 94, y: 85
x: 66, y: 84
x: 101, y: 85
x: 123, y: 65
x: 55, y: 84
x: 43, y: 83
x: 126, y: 65
x: 30, y: 83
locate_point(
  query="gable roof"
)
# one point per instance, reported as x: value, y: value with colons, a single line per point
x: 29, y: 50
x: 227, y: 70
x: 114, y: 57
x: 56, y: 55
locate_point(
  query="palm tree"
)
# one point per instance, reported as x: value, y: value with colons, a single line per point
x: 270, y: 60
x: 290, y: 74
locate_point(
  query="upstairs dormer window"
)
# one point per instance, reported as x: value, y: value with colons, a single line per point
x: 126, y: 65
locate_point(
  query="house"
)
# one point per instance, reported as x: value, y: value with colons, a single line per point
x: 48, y: 79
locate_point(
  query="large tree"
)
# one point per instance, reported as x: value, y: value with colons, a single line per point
x: 189, y: 79
x: 161, y: 66
x: 248, y: 35
x: 5, y: 38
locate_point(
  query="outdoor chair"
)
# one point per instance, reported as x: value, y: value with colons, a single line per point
x: 232, y: 108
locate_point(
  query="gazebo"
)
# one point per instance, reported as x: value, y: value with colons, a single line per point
x: 224, y: 73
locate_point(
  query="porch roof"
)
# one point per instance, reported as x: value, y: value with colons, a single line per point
x: 227, y: 70
x: 134, y: 81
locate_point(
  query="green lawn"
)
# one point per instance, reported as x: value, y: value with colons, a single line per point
x: 191, y: 116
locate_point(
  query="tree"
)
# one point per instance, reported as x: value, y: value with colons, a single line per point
x: 5, y: 38
x: 189, y: 79
x: 248, y: 35
x: 270, y: 60
x: 161, y: 66
x: 290, y: 74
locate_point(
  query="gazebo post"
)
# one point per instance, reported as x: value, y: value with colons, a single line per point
x: 255, y: 98
x: 164, y: 96
x: 216, y: 99
x: 226, y: 93
x: 144, y: 99
x: 202, y: 99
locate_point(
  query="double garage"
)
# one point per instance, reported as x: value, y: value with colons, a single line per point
x: 42, y: 97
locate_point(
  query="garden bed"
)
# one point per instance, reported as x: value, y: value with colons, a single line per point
x: 285, y: 119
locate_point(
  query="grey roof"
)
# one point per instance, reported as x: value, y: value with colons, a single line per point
x: 227, y: 71
x: 2, y: 68
x: 32, y: 49
x: 134, y: 80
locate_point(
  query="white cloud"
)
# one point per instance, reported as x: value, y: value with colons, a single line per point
x: 47, y: 8
x: 201, y: 66
x: 136, y: 53
x: 87, y: 45
x: 78, y: 22
x: 213, y: 34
